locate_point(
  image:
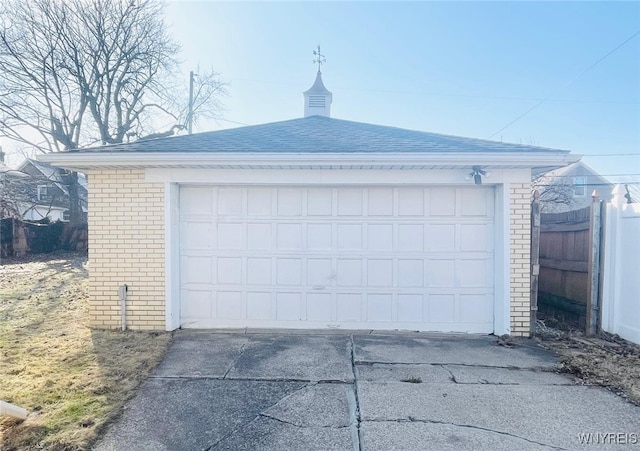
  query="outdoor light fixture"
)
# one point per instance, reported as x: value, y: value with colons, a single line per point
x: 476, y: 174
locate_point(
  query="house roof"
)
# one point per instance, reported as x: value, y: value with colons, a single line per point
x: 54, y: 174
x: 318, y: 134
x: 313, y: 142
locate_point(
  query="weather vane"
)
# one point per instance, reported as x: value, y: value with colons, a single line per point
x: 319, y: 58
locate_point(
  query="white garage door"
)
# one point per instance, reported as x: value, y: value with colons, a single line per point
x: 303, y: 257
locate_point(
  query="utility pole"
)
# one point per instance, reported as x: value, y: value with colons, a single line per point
x: 190, y: 113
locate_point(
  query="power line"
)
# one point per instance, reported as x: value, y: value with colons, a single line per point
x: 587, y: 175
x: 611, y: 155
x: 566, y: 84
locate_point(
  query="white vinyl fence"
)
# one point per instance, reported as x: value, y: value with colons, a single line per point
x: 621, y: 281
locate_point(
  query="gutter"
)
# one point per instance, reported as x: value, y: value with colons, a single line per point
x: 306, y: 160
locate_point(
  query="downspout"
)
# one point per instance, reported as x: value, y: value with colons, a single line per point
x: 12, y: 410
x: 122, y: 292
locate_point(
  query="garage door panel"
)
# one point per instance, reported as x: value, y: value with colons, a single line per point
x: 229, y: 201
x: 380, y: 237
x: 319, y: 237
x: 196, y: 304
x: 349, y: 272
x: 410, y: 273
x: 196, y: 201
x: 380, y: 273
x: 289, y: 271
x: 229, y: 305
x: 380, y: 202
x: 441, y: 238
x: 350, y: 202
x: 442, y: 201
x: 411, y: 202
x: 229, y: 270
x: 475, y: 237
x: 440, y: 273
x: 474, y: 202
x: 410, y: 308
x: 320, y: 202
x: 259, y: 202
x: 349, y: 307
x: 260, y: 305
x: 380, y: 307
x: 319, y: 273
x: 289, y: 202
x: 473, y: 273
x: 229, y: 235
x: 441, y: 308
x: 289, y: 236
x: 357, y: 257
x: 258, y: 236
x: 349, y: 236
x: 288, y: 306
x: 197, y: 235
x: 319, y: 307
x: 475, y: 308
x: 259, y: 271
x: 198, y: 270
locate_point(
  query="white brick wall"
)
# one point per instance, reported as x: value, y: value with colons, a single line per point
x: 520, y: 253
x: 126, y: 245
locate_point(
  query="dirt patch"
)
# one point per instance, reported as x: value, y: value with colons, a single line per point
x: 71, y: 379
x: 605, y: 360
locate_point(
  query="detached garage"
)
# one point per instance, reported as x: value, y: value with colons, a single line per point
x: 311, y: 223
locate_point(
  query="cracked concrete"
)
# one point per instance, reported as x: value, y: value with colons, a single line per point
x: 237, y: 390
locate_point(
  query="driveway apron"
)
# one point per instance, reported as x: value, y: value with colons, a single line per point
x: 309, y: 390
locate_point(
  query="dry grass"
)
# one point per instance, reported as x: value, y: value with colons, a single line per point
x: 606, y: 360
x: 73, y: 380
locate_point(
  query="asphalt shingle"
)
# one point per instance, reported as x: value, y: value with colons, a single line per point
x: 318, y: 134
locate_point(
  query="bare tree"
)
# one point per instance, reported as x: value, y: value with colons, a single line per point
x: 553, y: 191
x: 80, y: 72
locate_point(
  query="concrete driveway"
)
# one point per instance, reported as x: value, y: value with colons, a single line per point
x: 274, y: 390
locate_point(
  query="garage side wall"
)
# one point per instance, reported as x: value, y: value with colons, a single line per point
x: 126, y: 246
x: 520, y: 244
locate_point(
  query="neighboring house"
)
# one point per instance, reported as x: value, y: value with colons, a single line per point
x: 37, y: 190
x: 570, y: 187
x: 311, y: 223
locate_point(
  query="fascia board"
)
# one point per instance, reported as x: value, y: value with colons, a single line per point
x: 282, y: 160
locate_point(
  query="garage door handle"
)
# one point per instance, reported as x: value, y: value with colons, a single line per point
x: 319, y: 287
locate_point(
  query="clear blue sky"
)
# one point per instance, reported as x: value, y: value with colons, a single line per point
x: 460, y: 68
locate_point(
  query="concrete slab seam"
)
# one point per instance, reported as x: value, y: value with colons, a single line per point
x: 357, y: 437
x: 537, y: 369
x: 453, y: 376
x: 259, y: 415
x: 301, y: 426
x: 469, y: 426
x: 232, y: 364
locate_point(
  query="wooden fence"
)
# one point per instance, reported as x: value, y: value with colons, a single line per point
x: 566, y: 266
x: 18, y: 238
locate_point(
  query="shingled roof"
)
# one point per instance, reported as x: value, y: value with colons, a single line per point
x: 317, y: 134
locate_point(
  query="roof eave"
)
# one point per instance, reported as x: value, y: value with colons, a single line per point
x: 252, y: 160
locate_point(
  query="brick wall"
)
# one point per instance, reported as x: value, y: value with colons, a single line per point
x: 126, y: 245
x: 520, y: 244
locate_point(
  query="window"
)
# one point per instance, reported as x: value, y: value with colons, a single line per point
x: 42, y: 192
x: 579, y: 188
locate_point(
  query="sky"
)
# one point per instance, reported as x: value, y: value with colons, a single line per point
x: 564, y: 75
x: 459, y: 68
